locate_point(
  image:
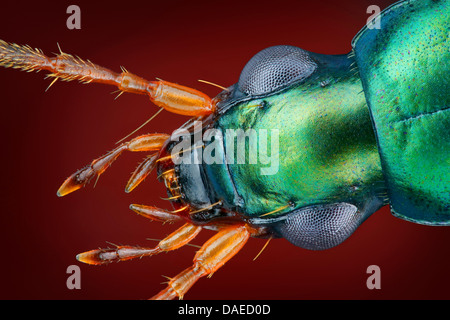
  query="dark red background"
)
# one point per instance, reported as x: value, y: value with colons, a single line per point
x: 48, y: 136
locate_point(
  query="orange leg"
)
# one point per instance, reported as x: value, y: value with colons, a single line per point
x: 141, y: 172
x: 173, y: 97
x: 149, y: 142
x: 175, y: 240
x: 154, y: 213
x: 213, y: 254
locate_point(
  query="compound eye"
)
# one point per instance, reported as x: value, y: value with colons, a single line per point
x: 320, y: 227
x: 274, y: 68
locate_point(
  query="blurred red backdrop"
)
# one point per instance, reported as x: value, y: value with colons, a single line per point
x: 49, y: 135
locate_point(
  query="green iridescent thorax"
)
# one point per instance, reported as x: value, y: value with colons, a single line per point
x: 327, y: 151
x: 405, y: 67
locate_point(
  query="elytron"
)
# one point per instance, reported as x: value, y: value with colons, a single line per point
x: 354, y: 132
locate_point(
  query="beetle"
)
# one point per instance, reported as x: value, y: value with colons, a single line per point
x: 350, y: 180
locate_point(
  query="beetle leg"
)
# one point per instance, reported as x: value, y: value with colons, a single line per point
x: 141, y: 172
x: 173, y: 97
x: 154, y: 213
x: 175, y: 240
x: 212, y: 255
x: 148, y: 142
